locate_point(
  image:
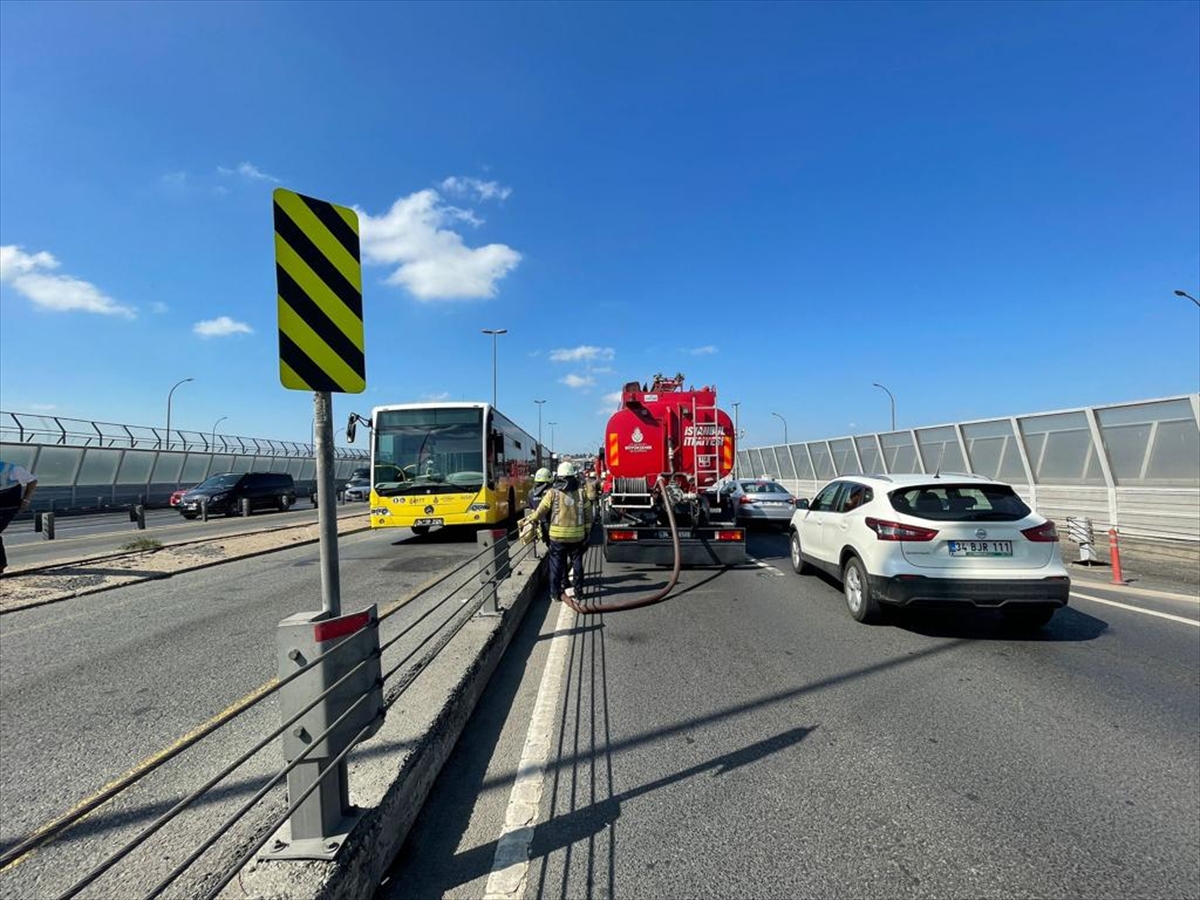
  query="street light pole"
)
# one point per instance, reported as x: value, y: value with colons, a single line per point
x: 495, y: 333
x: 214, y: 429
x: 552, y: 424
x: 784, y: 421
x: 890, y: 397
x: 169, y: 395
x: 1189, y: 296
x: 539, y: 403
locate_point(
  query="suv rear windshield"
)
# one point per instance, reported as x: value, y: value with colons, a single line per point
x: 960, y: 502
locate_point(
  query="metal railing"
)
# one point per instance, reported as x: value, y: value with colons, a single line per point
x: 1135, y: 464
x: 84, y: 464
x: 457, y: 601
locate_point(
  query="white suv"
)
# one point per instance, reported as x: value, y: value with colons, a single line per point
x: 920, y: 540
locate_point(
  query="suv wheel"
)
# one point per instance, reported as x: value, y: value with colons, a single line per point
x: 284, y: 502
x: 799, y: 566
x: 859, y: 600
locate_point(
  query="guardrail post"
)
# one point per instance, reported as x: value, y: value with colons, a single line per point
x: 1081, y: 532
x: 319, y: 826
x: 245, y: 507
x: 137, y: 514
x: 203, y: 509
x: 44, y: 522
x: 492, y: 566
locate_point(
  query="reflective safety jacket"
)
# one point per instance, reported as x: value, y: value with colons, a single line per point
x: 569, y: 512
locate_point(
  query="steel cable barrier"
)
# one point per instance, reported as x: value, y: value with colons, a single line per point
x: 447, y: 591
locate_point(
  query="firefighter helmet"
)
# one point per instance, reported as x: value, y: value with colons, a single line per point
x: 543, y: 474
x: 566, y: 469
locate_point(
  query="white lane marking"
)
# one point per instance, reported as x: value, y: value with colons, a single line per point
x: 1137, y: 609
x: 764, y: 565
x: 510, y: 866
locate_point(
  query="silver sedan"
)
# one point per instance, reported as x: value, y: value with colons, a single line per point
x: 758, y: 500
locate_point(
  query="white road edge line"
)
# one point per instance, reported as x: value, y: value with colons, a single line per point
x: 510, y: 865
x: 1137, y: 609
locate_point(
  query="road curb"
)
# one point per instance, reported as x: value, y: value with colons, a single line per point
x: 157, y: 576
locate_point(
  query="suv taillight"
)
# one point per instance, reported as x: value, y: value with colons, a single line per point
x: 897, y: 531
x: 1042, y: 534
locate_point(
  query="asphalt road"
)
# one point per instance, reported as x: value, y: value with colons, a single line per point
x: 748, y: 739
x: 92, y: 687
x: 77, y: 537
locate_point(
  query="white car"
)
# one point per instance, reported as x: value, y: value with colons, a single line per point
x: 932, y: 540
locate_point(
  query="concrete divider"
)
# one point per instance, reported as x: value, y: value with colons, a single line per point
x: 392, y: 773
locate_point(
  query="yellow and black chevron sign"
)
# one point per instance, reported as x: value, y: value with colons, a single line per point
x: 319, y: 275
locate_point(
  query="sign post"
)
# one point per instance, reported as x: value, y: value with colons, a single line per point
x: 318, y: 275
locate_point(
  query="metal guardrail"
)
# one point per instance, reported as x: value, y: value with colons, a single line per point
x: 1134, y: 464
x: 84, y: 464
x: 493, y: 563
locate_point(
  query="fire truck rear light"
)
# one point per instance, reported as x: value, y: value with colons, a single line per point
x: 622, y: 535
x: 898, y: 531
x: 731, y: 535
x: 331, y: 631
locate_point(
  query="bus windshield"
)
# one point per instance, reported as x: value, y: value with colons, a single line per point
x: 421, y: 451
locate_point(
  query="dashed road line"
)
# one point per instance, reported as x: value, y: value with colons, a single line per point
x: 510, y: 865
x: 764, y: 565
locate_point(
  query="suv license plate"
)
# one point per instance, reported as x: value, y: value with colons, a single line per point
x: 980, y: 548
x: 429, y: 522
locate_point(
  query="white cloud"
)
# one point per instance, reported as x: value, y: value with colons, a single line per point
x: 581, y: 354
x: 434, y: 262
x: 249, y: 171
x: 602, y: 370
x: 577, y: 381
x: 158, y: 307
x: 222, y: 326
x: 706, y: 350
x: 484, y: 190
x: 434, y: 398
x: 609, y: 403
x: 56, y: 293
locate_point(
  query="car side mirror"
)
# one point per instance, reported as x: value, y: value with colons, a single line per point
x: 800, y: 503
x: 351, y: 428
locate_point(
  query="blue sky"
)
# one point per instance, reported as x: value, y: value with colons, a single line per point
x: 985, y: 207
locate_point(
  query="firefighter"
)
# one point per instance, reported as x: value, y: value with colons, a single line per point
x: 541, y: 484
x: 570, y: 517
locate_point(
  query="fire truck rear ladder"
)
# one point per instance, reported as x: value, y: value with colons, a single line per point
x: 711, y: 443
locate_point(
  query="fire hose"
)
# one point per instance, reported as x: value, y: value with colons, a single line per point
x: 659, y: 595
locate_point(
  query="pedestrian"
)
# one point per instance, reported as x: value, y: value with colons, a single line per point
x: 542, y: 480
x: 570, y: 519
x: 17, y: 485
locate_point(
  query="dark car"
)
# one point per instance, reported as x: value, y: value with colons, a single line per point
x: 226, y: 493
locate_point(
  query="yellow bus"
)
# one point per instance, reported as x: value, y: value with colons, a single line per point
x: 449, y: 464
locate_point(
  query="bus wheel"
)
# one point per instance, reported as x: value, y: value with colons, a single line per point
x: 420, y: 530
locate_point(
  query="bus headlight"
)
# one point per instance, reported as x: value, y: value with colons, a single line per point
x: 381, y: 511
